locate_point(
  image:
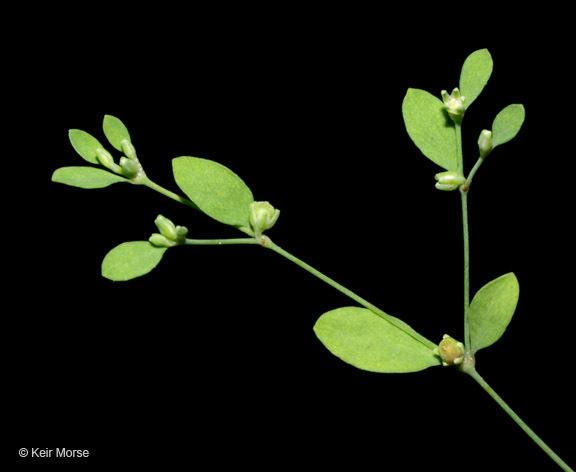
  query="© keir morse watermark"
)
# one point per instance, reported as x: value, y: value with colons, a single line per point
x: 55, y: 453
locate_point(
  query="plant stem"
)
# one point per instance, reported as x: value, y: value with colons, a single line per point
x: 459, y: 155
x: 220, y: 242
x: 144, y: 180
x: 466, y: 186
x: 464, y: 197
x: 391, y: 319
x: 267, y: 242
x: 474, y: 374
x: 467, y: 338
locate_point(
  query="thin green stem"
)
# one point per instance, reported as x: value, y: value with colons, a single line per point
x: 391, y: 319
x: 467, y: 338
x: 267, y: 243
x: 479, y: 162
x: 466, y: 236
x: 459, y: 154
x: 220, y: 242
x: 474, y: 374
x: 144, y: 180
x: 464, y: 197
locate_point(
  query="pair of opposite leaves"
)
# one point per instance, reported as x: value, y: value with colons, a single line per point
x: 384, y: 343
x: 387, y: 345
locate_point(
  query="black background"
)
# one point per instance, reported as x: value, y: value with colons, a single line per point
x: 212, y: 356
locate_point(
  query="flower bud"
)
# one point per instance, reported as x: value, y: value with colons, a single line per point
x: 450, y: 351
x: 161, y: 240
x: 166, y: 227
x: 128, y: 149
x: 485, y: 144
x: 181, y: 233
x: 449, y: 180
x: 129, y: 167
x: 106, y: 159
x: 170, y: 234
x: 262, y: 216
x: 454, y: 104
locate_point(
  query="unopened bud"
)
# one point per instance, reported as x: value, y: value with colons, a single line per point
x: 106, y: 159
x: 449, y: 180
x: 450, y: 351
x: 181, y: 233
x: 166, y: 227
x: 161, y: 241
x: 262, y: 216
x: 128, y: 149
x: 130, y: 168
x: 485, y: 144
x: 454, y: 104
x: 169, y: 231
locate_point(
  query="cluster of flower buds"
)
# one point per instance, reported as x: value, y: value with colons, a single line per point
x: 170, y: 235
x: 262, y: 217
x: 129, y: 167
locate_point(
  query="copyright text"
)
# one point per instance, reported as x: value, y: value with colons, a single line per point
x: 59, y: 452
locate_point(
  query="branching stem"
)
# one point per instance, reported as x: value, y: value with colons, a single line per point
x: 468, y: 365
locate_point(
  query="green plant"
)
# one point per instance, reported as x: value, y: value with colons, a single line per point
x: 363, y: 336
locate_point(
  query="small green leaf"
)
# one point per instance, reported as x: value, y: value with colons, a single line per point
x: 131, y: 259
x: 85, y: 177
x: 430, y: 127
x: 215, y: 189
x: 475, y: 73
x: 85, y: 144
x: 507, y: 124
x: 115, y: 131
x: 365, y: 340
x: 491, y: 311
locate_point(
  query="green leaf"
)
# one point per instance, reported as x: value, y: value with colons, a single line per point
x: 365, y: 340
x: 430, y: 127
x: 115, y: 131
x: 215, y: 189
x: 86, y: 177
x: 491, y: 311
x: 475, y: 73
x: 85, y: 144
x: 507, y: 124
x: 131, y: 259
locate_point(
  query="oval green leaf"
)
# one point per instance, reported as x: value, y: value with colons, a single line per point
x: 215, y: 189
x: 507, y: 124
x: 131, y: 259
x: 85, y: 144
x: 430, y: 127
x: 476, y: 71
x: 115, y: 131
x: 365, y: 340
x: 86, y: 177
x: 491, y: 311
